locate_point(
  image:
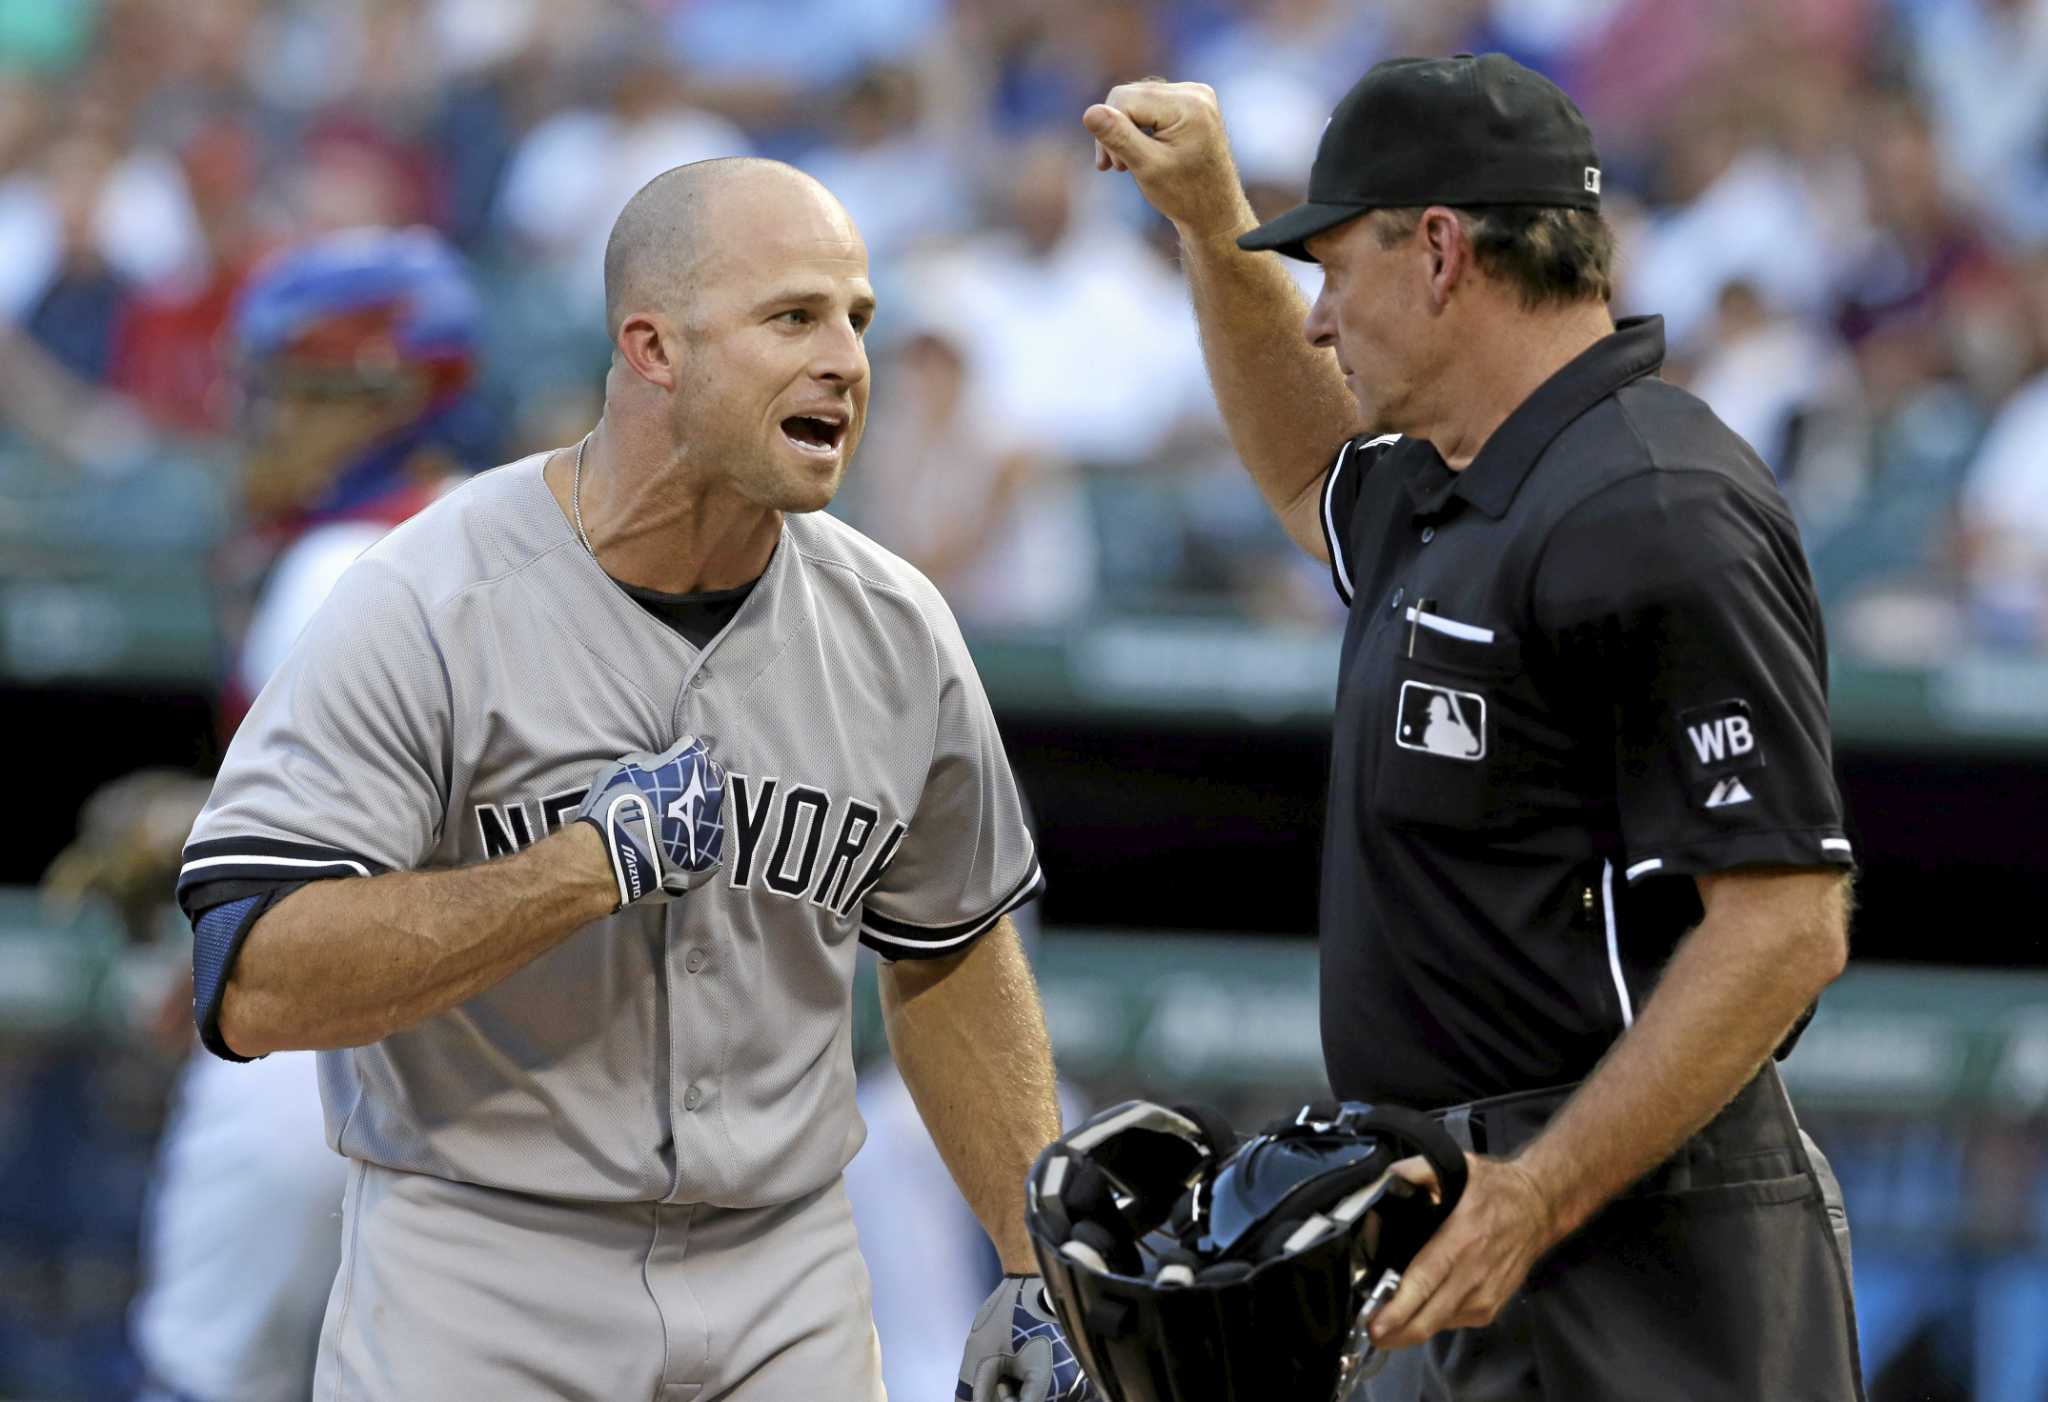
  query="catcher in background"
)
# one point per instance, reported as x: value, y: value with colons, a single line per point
x: 354, y: 351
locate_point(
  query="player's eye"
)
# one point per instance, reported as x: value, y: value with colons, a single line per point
x: 795, y: 316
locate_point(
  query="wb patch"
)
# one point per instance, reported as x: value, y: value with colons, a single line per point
x: 1439, y: 721
x: 1717, y: 741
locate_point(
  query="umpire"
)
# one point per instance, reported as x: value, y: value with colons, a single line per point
x: 1584, y: 864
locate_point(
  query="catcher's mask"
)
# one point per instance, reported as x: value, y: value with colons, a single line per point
x: 1187, y: 1267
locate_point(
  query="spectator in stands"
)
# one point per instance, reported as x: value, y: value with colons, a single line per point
x: 74, y: 315
x: 898, y: 168
x: 1983, y: 67
x: 1292, y: 44
x: 1737, y: 205
x: 998, y: 523
x: 2005, y: 502
x: 1789, y: 388
x: 742, y: 68
x: 1053, y: 277
x: 167, y: 356
x: 574, y: 172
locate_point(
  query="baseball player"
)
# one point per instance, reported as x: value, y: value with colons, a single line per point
x: 556, y: 833
x: 353, y: 351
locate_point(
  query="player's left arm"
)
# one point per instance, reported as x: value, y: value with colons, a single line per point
x: 968, y: 1034
x: 1685, y: 612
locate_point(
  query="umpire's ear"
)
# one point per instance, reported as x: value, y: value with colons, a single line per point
x: 647, y: 344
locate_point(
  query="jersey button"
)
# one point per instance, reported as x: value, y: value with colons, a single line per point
x: 1428, y: 534
x: 700, y: 678
x: 694, y: 960
x: 1394, y: 604
x: 692, y: 1098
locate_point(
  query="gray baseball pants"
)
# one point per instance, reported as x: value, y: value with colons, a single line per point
x: 448, y: 1290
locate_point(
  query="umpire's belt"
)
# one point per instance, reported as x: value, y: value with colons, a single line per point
x: 1754, y: 1137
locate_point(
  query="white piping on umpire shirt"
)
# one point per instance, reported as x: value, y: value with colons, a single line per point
x: 1330, y: 523
x: 1628, y: 1011
x: 1330, y: 537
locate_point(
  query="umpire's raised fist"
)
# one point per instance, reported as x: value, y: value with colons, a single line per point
x: 662, y: 818
x: 1170, y: 137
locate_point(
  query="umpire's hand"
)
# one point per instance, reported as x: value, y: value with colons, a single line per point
x: 1170, y: 137
x: 1477, y: 1259
x: 662, y: 818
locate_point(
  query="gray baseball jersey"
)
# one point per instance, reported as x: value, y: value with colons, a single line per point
x: 450, y: 702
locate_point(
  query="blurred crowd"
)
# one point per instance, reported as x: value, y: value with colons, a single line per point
x: 1839, y: 206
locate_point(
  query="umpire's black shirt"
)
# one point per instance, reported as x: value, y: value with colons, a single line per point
x: 1576, y: 674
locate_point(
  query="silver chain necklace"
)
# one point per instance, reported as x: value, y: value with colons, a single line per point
x: 576, y: 496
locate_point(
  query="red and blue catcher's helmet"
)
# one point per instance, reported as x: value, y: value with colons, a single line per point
x: 356, y: 309
x: 1188, y: 1267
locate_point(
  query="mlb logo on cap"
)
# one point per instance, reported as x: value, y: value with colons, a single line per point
x: 1593, y: 179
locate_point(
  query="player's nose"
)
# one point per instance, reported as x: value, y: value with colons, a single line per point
x: 841, y: 357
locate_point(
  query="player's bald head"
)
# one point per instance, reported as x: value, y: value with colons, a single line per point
x: 672, y: 228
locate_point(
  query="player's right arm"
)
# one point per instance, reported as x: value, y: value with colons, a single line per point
x: 1284, y: 401
x: 314, y: 925
x: 343, y: 963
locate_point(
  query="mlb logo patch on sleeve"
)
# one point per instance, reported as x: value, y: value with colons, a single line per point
x: 1719, y: 740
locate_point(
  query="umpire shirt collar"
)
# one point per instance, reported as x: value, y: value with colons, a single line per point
x: 1633, y: 350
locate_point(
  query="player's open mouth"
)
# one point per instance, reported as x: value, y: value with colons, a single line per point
x: 816, y: 434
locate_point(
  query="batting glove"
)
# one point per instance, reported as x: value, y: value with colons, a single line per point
x: 1016, y: 1352
x: 662, y: 818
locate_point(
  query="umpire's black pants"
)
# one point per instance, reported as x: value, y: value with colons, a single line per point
x: 1718, y: 1278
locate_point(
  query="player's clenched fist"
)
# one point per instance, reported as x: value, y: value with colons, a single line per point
x: 662, y: 818
x: 1170, y: 137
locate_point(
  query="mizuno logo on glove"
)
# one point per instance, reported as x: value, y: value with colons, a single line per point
x: 662, y: 818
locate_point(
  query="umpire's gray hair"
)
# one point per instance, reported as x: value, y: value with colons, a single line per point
x: 1550, y: 256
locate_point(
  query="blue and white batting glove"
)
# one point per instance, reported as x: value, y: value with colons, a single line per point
x: 1016, y: 1352
x: 662, y: 818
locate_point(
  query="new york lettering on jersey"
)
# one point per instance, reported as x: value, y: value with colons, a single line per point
x: 781, y: 838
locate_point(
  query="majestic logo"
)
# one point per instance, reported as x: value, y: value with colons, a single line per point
x: 1439, y: 721
x: 1728, y: 793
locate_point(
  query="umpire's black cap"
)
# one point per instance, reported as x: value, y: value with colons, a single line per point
x: 1455, y: 131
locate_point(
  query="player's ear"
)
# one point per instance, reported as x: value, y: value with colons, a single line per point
x: 646, y: 344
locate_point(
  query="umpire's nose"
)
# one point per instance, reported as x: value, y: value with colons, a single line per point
x: 1320, y: 327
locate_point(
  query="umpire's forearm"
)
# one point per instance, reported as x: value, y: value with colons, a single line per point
x: 969, y: 1037
x: 343, y: 963
x: 1283, y: 400
x: 1727, y: 997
